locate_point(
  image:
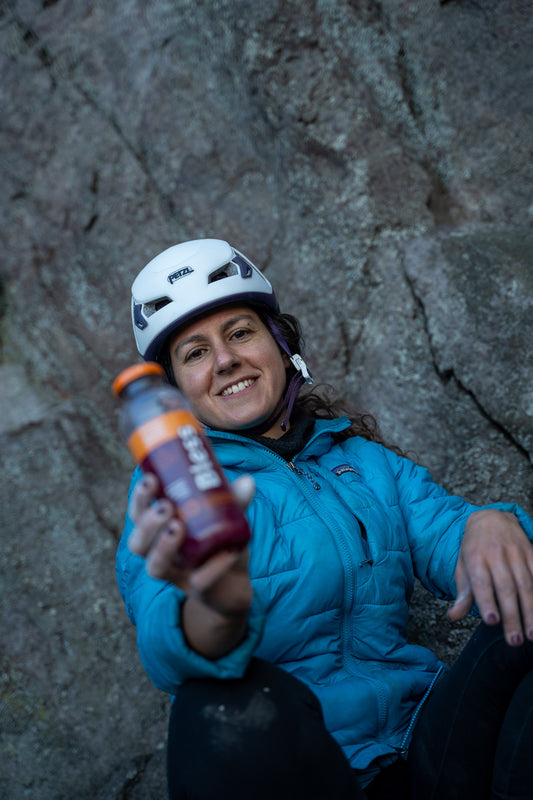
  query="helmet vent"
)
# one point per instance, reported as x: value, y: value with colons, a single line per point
x: 245, y: 268
x: 155, y: 305
x: 223, y: 272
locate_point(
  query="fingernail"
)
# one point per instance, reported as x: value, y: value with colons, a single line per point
x: 516, y: 639
x: 170, y: 528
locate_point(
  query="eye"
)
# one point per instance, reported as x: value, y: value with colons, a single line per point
x: 241, y: 333
x: 195, y: 354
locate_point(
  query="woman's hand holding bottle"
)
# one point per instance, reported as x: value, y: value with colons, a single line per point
x: 219, y: 592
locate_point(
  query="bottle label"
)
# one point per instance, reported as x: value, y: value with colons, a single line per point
x: 182, y: 426
x: 202, y: 470
x: 158, y: 431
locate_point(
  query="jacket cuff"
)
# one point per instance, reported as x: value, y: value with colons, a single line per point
x: 170, y: 661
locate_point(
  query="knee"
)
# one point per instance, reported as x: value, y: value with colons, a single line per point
x: 264, y: 731
x: 230, y: 717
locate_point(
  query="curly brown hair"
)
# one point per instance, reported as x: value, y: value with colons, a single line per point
x: 320, y: 401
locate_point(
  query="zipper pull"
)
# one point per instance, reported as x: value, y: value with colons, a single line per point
x: 304, y: 474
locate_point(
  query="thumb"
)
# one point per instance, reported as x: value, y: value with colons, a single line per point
x: 464, y: 599
x: 205, y: 576
x: 244, y: 490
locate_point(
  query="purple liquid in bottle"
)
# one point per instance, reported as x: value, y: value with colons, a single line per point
x: 166, y: 439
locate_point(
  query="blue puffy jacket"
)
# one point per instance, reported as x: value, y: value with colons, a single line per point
x: 339, y: 535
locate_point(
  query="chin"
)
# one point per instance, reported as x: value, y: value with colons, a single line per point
x: 246, y: 425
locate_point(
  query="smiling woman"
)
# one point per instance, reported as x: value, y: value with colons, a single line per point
x: 184, y: 284
x: 289, y: 663
x: 232, y: 371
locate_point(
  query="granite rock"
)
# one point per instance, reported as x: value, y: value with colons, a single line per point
x: 374, y: 157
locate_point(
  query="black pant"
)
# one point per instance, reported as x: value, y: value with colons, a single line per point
x: 263, y: 736
x: 260, y: 737
x: 474, y: 738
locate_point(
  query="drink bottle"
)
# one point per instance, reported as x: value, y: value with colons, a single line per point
x: 165, y: 438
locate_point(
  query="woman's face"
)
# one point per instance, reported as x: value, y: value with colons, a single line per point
x: 231, y: 370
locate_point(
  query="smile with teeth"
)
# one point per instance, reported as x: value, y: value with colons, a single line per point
x: 237, y: 387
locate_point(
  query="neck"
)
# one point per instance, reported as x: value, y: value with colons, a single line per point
x: 271, y: 428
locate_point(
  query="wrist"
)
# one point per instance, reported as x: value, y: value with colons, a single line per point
x: 212, y: 632
x: 483, y: 514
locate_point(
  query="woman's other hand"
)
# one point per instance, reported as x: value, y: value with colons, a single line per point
x: 495, y: 571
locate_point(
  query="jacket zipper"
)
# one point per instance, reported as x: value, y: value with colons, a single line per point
x: 347, y: 564
x: 339, y: 537
x: 404, y: 746
x: 292, y: 466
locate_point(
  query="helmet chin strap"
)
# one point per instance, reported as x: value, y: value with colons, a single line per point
x: 286, y: 406
x: 301, y: 376
x: 291, y: 394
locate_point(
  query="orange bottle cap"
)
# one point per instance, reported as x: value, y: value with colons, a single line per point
x: 136, y: 371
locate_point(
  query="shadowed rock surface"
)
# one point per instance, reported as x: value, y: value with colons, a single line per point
x: 374, y: 158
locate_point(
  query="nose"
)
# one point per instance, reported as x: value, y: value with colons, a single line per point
x: 225, y: 359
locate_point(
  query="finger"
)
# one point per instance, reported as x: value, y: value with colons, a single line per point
x: 526, y: 595
x: 464, y: 599
x: 244, y: 489
x: 163, y: 558
x: 483, y: 593
x: 514, y: 589
x: 142, y: 496
x: 510, y: 613
x: 212, y: 571
x: 149, y: 525
x: 505, y: 594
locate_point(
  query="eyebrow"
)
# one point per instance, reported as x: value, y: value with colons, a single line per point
x: 199, y: 337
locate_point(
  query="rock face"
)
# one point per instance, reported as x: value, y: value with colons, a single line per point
x: 373, y: 157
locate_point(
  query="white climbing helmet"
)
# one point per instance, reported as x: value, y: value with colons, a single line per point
x: 189, y: 279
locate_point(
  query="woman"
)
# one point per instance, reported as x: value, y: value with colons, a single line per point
x: 289, y: 664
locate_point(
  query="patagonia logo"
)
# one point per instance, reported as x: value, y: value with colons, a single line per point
x: 180, y: 273
x: 342, y: 468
